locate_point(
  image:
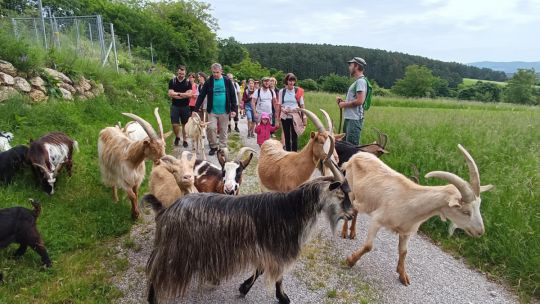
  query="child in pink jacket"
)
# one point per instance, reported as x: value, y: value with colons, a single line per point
x: 264, y: 128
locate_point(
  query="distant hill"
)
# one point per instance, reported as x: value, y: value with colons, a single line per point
x: 316, y: 60
x: 507, y: 67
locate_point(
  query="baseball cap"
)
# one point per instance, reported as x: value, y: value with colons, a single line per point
x: 358, y: 60
x: 265, y: 78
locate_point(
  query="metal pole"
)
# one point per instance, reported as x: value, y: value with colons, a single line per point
x: 35, y: 30
x: 114, y: 47
x: 101, y: 36
x: 43, y: 24
x: 90, y: 33
x: 52, y: 25
x: 129, y: 46
x: 14, y: 23
x: 152, y: 52
x: 78, y: 35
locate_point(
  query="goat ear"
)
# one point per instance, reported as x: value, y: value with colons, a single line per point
x: 221, y: 158
x: 454, y: 202
x: 339, y: 136
x: 312, y: 134
x: 334, y: 186
x: 486, y: 188
x: 166, y: 135
x: 245, y: 163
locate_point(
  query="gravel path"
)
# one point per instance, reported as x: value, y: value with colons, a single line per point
x: 320, y: 276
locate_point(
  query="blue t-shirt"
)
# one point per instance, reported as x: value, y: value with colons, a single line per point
x: 219, y: 97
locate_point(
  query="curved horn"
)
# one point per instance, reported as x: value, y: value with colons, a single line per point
x: 242, y: 151
x: 160, y: 123
x: 168, y: 159
x: 463, y: 187
x: 338, y: 175
x: 383, y: 138
x: 474, y: 175
x: 144, y: 124
x: 328, y: 121
x: 42, y: 167
x: 225, y: 152
x: 332, y: 147
x: 314, y: 119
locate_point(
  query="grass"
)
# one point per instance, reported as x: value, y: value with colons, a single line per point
x: 471, y: 81
x: 505, y: 142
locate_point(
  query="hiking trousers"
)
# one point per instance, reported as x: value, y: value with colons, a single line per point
x: 353, y: 130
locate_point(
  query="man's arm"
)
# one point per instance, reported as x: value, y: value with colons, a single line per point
x: 178, y: 95
x: 360, y: 97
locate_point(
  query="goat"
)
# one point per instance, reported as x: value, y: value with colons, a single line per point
x: 18, y: 225
x: 48, y: 155
x: 346, y: 150
x: 121, y: 159
x: 400, y: 205
x: 172, y: 178
x: 263, y: 231
x: 196, y: 130
x: 11, y: 162
x: 228, y: 178
x: 5, y: 139
x: 280, y: 170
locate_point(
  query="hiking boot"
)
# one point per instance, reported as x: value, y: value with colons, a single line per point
x: 212, y: 151
x: 185, y: 144
x: 176, y: 141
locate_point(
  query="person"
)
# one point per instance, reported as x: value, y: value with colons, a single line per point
x: 238, y: 98
x: 248, y: 110
x: 201, y: 76
x: 243, y: 87
x: 180, y: 92
x: 263, y: 99
x: 273, y: 87
x: 257, y: 85
x: 353, y: 109
x: 290, y: 100
x: 221, y: 102
x: 264, y: 128
x: 194, y: 91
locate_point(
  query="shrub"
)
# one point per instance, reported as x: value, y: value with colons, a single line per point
x: 308, y: 84
x: 25, y: 58
x: 335, y: 83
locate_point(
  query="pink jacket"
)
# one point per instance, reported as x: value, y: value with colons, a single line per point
x: 263, y: 132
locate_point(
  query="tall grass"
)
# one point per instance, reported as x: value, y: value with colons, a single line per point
x: 505, y: 142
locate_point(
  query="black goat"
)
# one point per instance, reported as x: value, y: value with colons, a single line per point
x: 11, y: 161
x: 346, y: 150
x: 18, y: 225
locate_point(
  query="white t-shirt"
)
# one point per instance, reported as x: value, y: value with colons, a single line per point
x: 289, y: 101
x: 263, y: 103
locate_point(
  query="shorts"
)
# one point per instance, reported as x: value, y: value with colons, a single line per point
x: 249, y: 113
x: 180, y: 114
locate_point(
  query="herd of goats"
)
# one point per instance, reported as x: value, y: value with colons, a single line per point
x: 207, y: 232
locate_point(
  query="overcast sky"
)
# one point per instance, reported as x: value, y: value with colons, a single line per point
x: 450, y: 30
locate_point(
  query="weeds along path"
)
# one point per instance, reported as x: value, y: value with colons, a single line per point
x: 320, y: 276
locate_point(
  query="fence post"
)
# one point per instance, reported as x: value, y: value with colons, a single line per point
x: 152, y: 52
x: 43, y: 24
x: 90, y: 33
x: 14, y: 23
x: 35, y: 29
x: 129, y: 46
x: 78, y: 35
x: 52, y: 25
x: 114, y: 47
x: 101, y: 37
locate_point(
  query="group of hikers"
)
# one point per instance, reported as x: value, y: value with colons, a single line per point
x: 219, y: 98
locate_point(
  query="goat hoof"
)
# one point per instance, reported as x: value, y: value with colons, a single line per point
x: 404, y: 279
x: 350, y: 261
x: 284, y: 299
x: 135, y: 215
x: 352, y: 236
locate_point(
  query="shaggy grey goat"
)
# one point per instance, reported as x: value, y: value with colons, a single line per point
x: 215, y: 236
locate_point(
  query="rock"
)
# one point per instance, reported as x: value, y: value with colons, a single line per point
x: 89, y: 95
x: 7, y: 92
x: 79, y: 89
x: 68, y: 87
x: 8, y: 68
x: 97, y: 89
x: 38, y: 83
x: 66, y: 94
x: 6, y: 79
x: 37, y: 95
x: 84, y: 84
x: 22, y: 85
x: 58, y: 75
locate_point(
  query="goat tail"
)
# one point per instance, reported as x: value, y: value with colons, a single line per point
x: 37, y: 207
x: 156, y: 204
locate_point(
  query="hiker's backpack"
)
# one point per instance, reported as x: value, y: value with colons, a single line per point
x: 367, y: 101
x: 259, y: 96
x: 298, y: 93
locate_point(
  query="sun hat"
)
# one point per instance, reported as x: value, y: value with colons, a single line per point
x: 265, y: 115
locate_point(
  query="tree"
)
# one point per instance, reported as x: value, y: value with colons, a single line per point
x: 482, y: 91
x: 247, y: 68
x: 335, y: 83
x: 231, y: 51
x: 308, y: 84
x: 418, y: 82
x: 520, y: 88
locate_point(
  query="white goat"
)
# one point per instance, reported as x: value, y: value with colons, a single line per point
x: 5, y: 139
x: 400, y: 205
x: 196, y: 130
x: 121, y: 159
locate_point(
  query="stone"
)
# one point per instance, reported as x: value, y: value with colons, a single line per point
x: 97, y: 89
x: 7, y: 92
x: 37, y: 96
x: 79, y: 89
x: 89, y: 95
x: 66, y: 94
x: 38, y: 83
x: 68, y: 87
x: 8, y: 68
x: 22, y: 85
x: 6, y: 79
x: 85, y: 84
x: 58, y: 75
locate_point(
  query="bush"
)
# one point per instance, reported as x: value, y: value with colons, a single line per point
x: 308, y: 84
x: 335, y: 83
x: 25, y: 58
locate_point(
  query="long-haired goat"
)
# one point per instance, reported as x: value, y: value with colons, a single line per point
x: 280, y: 170
x: 48, y: 155
x: 228, y: 178
x: 214, y: 236
x: 172, y: 178
x: 121, y: 159
x: 196, y: 130
x: 400, y: 205
x: 5, y: 139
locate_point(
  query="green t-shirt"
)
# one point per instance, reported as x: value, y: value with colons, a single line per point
x: 219, y: 97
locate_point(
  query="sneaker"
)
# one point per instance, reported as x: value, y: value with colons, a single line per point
x: 212, y: 151
x: 236, y: 129
x: 185, y: 144
x: 176, y: 141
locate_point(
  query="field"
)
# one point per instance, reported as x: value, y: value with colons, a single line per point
x: 471, y: 81
x: 505, y: 142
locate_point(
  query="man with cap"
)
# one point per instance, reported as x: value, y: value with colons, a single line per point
x: 263, y: 99
x: 353, y: 110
